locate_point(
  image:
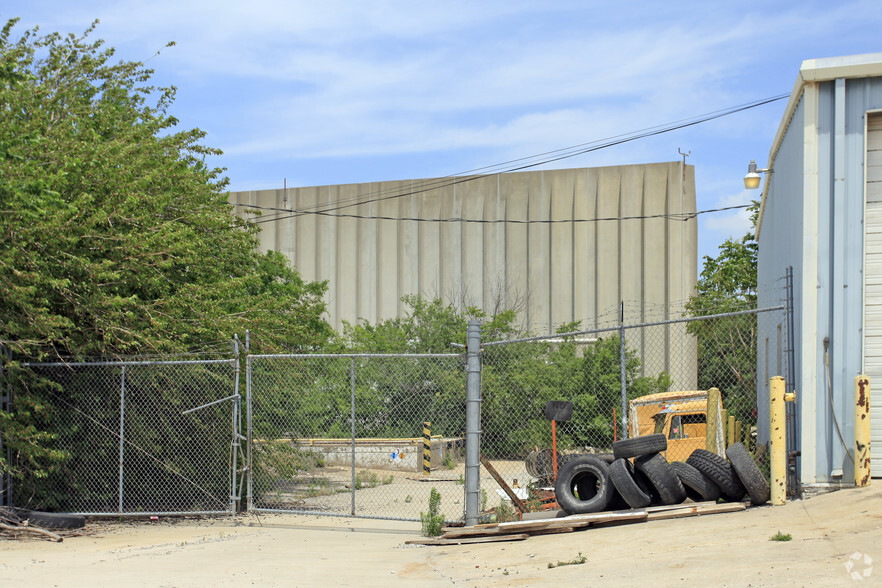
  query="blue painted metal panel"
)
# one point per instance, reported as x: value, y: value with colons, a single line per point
x: 780, y: 246
x: 840, y: 257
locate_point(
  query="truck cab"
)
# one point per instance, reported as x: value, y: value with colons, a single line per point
x: 681, y: 417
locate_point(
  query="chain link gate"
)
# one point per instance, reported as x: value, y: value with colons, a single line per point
x: 136, y: 437
x: 357, y: 435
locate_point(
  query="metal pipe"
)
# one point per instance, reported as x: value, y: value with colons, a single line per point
x: 687, y: 319
x: 248, y: 434
x: 360, y: 355
x: 130, y: 363
x: 352, y: 419
x: 861, y: 431
x: 473, y: 423
x: 623, y: 373
x: 234, y: 498
x: 122, y: 434
x: 212, y: 403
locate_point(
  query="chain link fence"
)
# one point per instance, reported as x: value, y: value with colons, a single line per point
x: 134, y: 437
x: 370, y: 435
x: 625, y: 381
x: 359, y: 435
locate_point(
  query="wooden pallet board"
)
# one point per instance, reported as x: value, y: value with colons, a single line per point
x: 515, y: 527
x: 467, y: 540
x: 697, y: 510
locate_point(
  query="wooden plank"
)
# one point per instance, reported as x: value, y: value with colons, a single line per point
x: 467, y: 540
x: 575, y: 521
x: 519, y: 504
x: 666, y: 507
x: 695, y: 511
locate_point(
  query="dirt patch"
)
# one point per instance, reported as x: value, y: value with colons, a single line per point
x: 828, y: 532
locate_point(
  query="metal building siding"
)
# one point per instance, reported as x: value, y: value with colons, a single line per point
x: 780, y: 246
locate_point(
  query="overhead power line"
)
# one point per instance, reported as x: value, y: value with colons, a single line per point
x: 678, y: 216
x: 520, y: 164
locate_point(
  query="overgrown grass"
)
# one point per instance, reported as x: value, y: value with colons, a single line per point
x: 779, y: 536
x: 371, y: 480
x: 431, y: 521
x: 579, y: 559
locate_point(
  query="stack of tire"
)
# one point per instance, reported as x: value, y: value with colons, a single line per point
x: 637, y: 475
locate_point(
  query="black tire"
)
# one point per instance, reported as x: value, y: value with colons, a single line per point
x: 54, y: 520
x: 583, y: 485
x: 638, y: 446
x: 698, y: 486
x: 607, y: 457
x: 720, y: 472
x: 750, y: 475
x: 627, y: 485
x: 663, y: 478
x: 617, y: 502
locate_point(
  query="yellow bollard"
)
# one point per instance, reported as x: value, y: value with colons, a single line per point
x: 713, y: 419
x: 861, y: 431
x: 777, y: 440
x: 730, y: 431
x: 738, y: 432
x: 724, y: 419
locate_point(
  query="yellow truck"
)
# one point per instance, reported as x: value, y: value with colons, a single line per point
x: 681, y: 417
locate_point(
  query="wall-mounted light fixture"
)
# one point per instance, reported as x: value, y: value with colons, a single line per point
x: 753, y: 178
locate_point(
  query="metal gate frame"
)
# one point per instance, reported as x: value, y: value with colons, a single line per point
x: 236, y: 436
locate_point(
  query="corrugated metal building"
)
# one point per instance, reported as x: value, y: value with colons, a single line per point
x: 822, y: 214
x: 535, y: 241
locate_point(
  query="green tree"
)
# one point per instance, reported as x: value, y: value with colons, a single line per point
x: 116, y: 236
x: 727, y: 346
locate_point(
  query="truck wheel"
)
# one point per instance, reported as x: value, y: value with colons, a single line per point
x: 662, y: 477
x: 637, y: 446
x: 588, y: 477
x: 719, y: 471
x: 750, y: 475
x: 698, y: 486
x: 623, y: 477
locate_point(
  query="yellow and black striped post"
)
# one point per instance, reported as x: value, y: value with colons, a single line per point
x: 427, y: 448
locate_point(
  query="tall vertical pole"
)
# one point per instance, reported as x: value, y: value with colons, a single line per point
x: 5, y: 398
x: 352, y: 413
x: 234, y: 498
x: 248, y: 433
x: 473, y: 423
x: 122, y: 434
x: 623, y: 374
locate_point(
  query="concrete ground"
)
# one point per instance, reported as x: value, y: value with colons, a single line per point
x: 836, y: 538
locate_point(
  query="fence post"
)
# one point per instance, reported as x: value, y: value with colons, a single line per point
x: 249, y: 464
x: 122, y: 433
x: 713, y: 421
x: 623, y: 373
x: 352, y: 413
x: 234, y: 462
x: 473, y: 423
x: 5, y: 402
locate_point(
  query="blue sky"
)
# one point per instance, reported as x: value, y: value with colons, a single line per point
x: 338, y: 91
